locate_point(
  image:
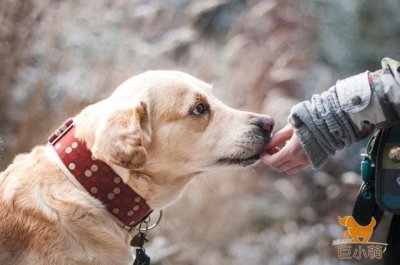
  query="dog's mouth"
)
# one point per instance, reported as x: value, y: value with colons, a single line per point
x: 239, y: 161
x: 250, y: 156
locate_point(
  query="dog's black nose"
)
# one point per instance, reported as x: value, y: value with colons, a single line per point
x: 266, y: 123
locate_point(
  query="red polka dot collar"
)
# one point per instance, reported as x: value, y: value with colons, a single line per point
x: 97, y: 178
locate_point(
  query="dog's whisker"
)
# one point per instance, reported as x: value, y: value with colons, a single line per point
x: 209, y: 185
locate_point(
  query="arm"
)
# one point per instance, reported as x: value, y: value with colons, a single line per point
x: 372, y: 98
x: 338, y: 118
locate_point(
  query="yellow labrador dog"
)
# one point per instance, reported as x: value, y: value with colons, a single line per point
x: 70, y: 201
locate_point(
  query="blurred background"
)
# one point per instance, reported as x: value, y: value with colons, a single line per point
x: 58, y: 56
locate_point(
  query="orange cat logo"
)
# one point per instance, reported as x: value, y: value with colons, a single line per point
x: 356, y: 231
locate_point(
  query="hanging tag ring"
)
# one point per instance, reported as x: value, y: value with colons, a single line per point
x: 146, y: 223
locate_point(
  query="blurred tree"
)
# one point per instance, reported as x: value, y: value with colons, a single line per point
x: 17, y: 28
x: 355, y: 35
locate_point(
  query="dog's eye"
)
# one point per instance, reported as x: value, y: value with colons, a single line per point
x: 199, y: 109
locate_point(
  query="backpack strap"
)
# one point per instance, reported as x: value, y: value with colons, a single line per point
x: 392, y: 256
x: 365, y: 206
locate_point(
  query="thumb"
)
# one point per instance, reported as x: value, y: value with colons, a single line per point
x: 281, y: 136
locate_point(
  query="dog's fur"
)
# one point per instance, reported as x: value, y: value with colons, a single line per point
x: 149, y: 132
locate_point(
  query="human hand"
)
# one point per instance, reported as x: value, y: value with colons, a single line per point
x: 291, y: 158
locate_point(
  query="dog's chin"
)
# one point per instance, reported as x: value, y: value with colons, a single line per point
x: 239, y: 161
x: 247, y: 159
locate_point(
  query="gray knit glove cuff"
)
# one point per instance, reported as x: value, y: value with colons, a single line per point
x: 323, y: 127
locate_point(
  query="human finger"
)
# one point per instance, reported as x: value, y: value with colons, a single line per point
x: 275, y: 159
x: 280, y: 136
x: 288, y: 165
x: 296, y: 169
x: 271, y: 151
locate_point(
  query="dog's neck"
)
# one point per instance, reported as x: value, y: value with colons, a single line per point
x: 150, y: 185
x: 96, y: 177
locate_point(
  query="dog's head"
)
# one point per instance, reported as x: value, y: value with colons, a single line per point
x: 168, y: 123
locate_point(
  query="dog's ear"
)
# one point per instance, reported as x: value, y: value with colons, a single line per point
x: 351, y: 221
x: 120, y: 137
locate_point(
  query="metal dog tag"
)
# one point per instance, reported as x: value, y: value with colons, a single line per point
x: 141, y: 257
x: 139, y: 240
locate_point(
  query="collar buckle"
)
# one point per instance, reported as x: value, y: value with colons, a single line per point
x: 61, y: 131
